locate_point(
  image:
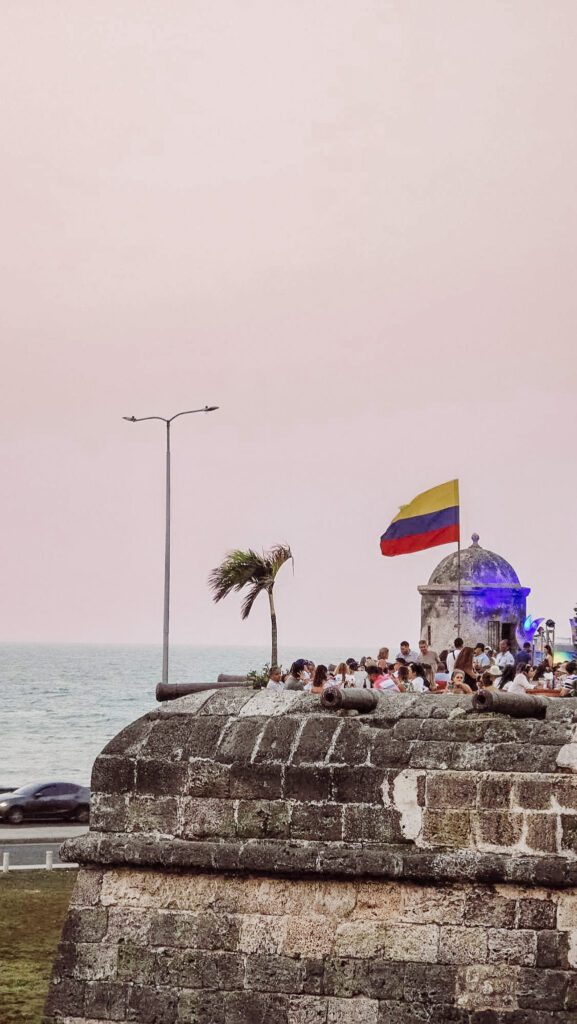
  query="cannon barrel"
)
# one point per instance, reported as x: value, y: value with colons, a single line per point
x: 171, y: 691
x: 516, y: 705
x: 349, y: 699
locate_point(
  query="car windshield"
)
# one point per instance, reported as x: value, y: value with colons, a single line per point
x: 32, y: 788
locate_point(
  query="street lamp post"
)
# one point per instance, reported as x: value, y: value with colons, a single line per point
x: 141, y: 419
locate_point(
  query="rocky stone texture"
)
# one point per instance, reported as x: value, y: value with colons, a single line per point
x: 225, y: 949
x: 255, y: 858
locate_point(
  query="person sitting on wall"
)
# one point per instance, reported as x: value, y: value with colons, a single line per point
x: 488, y: 680
x: 417, y: 681
x: 520, y: 683
x: 297, y: 676
x: 465, y: 662
x: 458, y: 683
x: 275, y: 679
x: 380, y: 680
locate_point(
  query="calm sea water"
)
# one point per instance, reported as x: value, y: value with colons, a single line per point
x: 61, y: 704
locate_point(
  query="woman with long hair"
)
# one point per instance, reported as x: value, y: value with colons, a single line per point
x: 548, y: 657
x: 320, y: 679
x: 465, y: 663
x: 417, y: 681
x: 343, y: 675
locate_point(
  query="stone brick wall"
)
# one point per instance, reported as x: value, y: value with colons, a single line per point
x: 224, y: 949
x: 255, y: 858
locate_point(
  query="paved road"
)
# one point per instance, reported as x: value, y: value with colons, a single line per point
x: 51, y: 832
x: 28, y: 845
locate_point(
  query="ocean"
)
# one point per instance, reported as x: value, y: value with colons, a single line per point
x: 61, y: 703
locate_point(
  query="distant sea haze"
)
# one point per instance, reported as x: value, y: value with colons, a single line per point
x: 62, y: 703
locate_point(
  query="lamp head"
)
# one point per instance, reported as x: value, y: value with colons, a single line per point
x: 131, y: 419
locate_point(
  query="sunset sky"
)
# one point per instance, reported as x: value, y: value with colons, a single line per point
x: 352, y: 226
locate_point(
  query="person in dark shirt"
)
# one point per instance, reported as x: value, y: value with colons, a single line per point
x: 523, y: 657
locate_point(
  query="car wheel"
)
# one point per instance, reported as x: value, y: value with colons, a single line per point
x: 15, y: 815
x: 82, y: 815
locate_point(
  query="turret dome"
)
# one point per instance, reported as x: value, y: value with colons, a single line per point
x: 479, y: 567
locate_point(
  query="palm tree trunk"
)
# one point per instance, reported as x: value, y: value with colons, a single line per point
x: 274, y: 643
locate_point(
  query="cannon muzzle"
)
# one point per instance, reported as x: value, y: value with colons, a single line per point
x: 349, y: 700
x: 517, y: 705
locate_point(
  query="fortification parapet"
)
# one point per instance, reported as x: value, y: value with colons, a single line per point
x: 254, y: 857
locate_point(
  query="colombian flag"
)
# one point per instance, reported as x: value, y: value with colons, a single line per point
x: 430, y: 519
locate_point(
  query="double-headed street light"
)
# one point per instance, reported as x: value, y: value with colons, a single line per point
x: 141, y: 419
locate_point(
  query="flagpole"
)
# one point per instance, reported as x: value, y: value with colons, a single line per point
x: 459, y: 584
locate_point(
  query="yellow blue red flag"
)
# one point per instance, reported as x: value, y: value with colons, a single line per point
x: 430, y: 519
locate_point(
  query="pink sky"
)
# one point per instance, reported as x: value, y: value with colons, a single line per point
x: 352, y: 226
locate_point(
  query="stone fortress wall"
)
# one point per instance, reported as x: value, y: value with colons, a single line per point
x: 255, y: 858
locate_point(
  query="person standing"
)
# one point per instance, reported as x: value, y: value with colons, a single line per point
x: 454, y: 654
x: 523, y: 657
x: 428, y: 657
x: 406, y: 653
x: 504, y: 657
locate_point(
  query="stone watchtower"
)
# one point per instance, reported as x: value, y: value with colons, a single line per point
x: 493, y: 602
x: 255, y: 859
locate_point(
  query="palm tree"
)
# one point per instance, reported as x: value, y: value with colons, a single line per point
x: 257, y: 572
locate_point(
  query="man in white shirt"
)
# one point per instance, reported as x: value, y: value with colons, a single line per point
x: 504, y: 657
x: 275, y: 679
x: 454, y: 654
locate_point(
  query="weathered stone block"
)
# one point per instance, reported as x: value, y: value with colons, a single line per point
x: 430, y: 983
x: 446, y: 828
x: 198, y: 1007
x: 317, y: 822
x: 136, y: 962
x: 152, y: 814
x: 487, y: 987
x: 316, y: 739
x: 431, y: 755
x: 352, y: 1011
x: 541, y: 832
x: 255, y: 782
x: 161, y: 778
x: 274, y: 974
x: 495, y: 792
x: 552, y: 949
x: 432, y: 905
x: 536, y: 914
x: 266, y: 818
x: 148, y: 1005
x: 512, y: 947
x: 202, y: 818
x: 307, y: 937
x: 88, y: 887
x: 65, y: 998
x: 256, y: 1007
x: 364, y: 823
x: 238, y: 740
x: 307, y: 1010
x: 206, y: 778
x: 387, y: 751
x: 307, y: 783
x: 361, y: 938
x: 486, y: 907
x: 86, y: 925
x: 497, y: 829
x: 262, y: 934
x: 352, y: 745
x: 419, y: 942
x: 542, y: 990
x: 113, y: 774
x: 129, y: 741
x: 569, y: 833
x: 350, y: 785
x: 381, y: 901
x: 277, y: 740
x: 106, y: 1000
x: 462, y: 945
x: 451, y: 790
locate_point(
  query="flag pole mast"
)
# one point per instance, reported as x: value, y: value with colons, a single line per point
x: 459, y: 584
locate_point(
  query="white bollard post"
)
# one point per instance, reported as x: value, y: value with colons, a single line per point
x: 5, y: 862
x: 49, y: 859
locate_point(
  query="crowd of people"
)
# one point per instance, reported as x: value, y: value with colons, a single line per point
x: 462, y: 669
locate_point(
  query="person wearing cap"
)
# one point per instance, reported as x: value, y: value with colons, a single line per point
x: 480, y: 659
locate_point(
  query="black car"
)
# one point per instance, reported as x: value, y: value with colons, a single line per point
x: 44, y: 801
